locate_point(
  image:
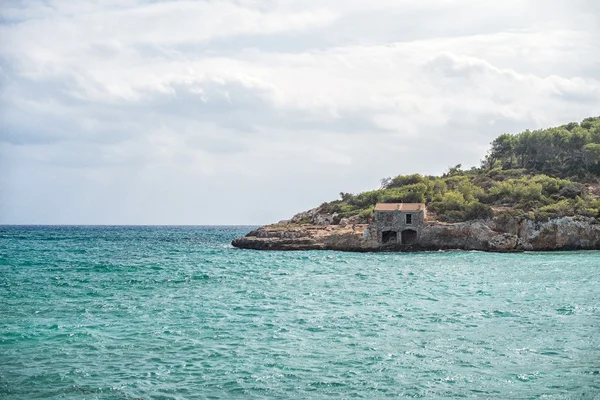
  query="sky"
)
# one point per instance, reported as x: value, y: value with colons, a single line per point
x: 247, y: 112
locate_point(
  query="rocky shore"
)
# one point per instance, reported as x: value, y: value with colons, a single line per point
x: 502, y: 235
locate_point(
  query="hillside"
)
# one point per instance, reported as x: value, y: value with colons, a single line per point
x: 534, y: 191
x: 539, y: 175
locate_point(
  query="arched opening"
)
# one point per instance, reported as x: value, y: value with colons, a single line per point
x: 389, y: 237
x: 409, y: 236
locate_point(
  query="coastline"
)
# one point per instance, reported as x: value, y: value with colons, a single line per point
x: 493, y: 235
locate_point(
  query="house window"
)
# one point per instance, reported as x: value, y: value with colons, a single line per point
x: 389, y: 218
x: 408, y: 219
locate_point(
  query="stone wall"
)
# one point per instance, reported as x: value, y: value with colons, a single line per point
x: 396, y: 221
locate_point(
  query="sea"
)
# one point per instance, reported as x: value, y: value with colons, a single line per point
x: 175, y: 312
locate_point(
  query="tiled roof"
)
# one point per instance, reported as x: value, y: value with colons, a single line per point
x: 400, y: 207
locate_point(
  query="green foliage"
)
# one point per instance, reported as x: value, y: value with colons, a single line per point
x: 450, y: 201
x: 452, y: 171
x: 504, y: 174
x: 476, y: 210
x: 550, y: 185
x: 561, y: 208
x: 592, y: 152
x: 571, y: 150
x: 366, y: 199
x: 515, y: 191
x: 367, y: 213
x: 572, y: 190
x: 401, y: 180
x: 534, y: 173
x: 454, y: 206
x: 412, y: 193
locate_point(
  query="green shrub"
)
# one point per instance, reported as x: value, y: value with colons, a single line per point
x: 550, y: 185
x: 528, y: 172
x: 572, y: 190
x: 366, y: 214
x: 331, y: 207
x: 558, y: 209
x: 403, y: 180
x: 476, y: 210
x: 414, y: 193
x: 367, y: 199
x: 439, y: 187
x: 452, y: 216
x: 452, y: 200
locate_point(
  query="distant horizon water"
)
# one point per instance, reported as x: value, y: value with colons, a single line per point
x: 132, y: 225
x: 175, y: 312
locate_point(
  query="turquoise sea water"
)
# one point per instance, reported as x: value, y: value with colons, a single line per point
x: 177, y: 313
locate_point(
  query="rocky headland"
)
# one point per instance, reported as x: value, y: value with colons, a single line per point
x: 495, y: 234
x: 536, y: 190
x: 565, y: 233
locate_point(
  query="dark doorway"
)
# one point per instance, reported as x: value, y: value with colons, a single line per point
x: 409, y: 236
x: 389, y: 237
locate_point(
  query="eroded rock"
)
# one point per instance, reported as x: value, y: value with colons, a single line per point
x: 517, y: 234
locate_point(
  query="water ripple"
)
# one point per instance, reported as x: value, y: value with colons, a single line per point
x: 177, y: 313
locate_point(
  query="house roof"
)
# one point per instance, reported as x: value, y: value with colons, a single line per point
x: 400, y: 207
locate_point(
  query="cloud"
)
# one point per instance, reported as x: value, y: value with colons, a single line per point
x: 246, y: 112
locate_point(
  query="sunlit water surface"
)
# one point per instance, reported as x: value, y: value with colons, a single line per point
x: 177, y: 313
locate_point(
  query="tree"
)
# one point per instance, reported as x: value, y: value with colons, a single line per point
x: 503, y: 150
x: 452, y: 171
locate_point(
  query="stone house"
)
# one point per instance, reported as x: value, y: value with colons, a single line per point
x: 399, y: 223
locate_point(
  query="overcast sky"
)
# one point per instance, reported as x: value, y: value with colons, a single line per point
x: 248, y: 111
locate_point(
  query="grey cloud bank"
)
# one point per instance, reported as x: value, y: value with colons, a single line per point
x: 245, y: 112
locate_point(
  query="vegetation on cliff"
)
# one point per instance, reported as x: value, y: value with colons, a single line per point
x: 571, y: 150
x: 539, y: 174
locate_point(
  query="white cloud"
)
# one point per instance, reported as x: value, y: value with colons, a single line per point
x: 177, y: 111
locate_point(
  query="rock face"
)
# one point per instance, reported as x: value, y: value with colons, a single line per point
x: 319, y: 216
x: 516, y: 234
x: 308, y: 237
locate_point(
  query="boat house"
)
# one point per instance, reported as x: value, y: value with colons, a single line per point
x: 399, y: 223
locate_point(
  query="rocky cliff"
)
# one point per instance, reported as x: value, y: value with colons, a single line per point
x: 514, y: 234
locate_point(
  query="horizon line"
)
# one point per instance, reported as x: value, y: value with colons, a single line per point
x: 92, y: 225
